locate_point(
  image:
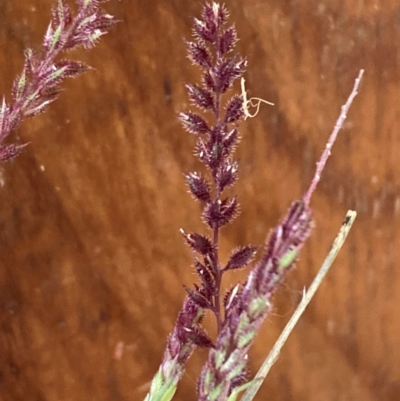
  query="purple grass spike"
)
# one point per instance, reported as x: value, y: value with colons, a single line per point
x: 216, y: 139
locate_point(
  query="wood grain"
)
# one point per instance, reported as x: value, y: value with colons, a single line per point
x: 92, y: 263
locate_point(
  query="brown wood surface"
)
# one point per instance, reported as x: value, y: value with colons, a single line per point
x: 92, y: 261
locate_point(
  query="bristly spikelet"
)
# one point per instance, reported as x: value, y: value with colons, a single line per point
x: 199, y: 337
x: 193, y: 123
x: 227, y: 71
x: 199, y: 54
x: 241, y: 257
x: 9, y: 152
x: 202, y: 98
x: 220, y: 212
x: 228, y: 40
x: 61, y: 14
x: 234, y: 109
x: 229, y: 142
x: 198, y: 297
x: 207, y: 278
x: 228, y: 175
x: 199, y: 243
x: 199, y: 187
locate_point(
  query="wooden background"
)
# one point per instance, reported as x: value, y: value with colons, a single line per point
x: 92, y: 262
